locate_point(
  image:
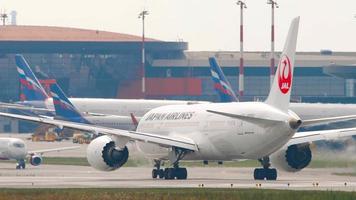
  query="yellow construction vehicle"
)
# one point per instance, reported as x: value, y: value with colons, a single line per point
x: 82, y: 138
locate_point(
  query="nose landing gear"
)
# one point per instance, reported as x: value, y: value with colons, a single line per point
x: 21, y: 164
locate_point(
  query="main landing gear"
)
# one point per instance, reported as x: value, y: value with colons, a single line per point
x: 21, y: 164
x: 174, y: 172
x: 169, y: 173
x: 266, y: 172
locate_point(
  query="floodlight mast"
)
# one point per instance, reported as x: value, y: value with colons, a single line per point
x: 142, y: 16
x: 241, y: 69
x: 272, y: 63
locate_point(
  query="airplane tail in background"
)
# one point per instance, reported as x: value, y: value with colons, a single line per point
x: 279, y: 96
x: 64, y: 108
x: 221, y: 84
x: 31, y: 88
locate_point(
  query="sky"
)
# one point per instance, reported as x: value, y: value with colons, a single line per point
x: 208, y: 25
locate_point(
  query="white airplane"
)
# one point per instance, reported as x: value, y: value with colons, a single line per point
x: 15, y: 149
x: 38, y: 99
x: 215, y: 131
x: 65, y: 110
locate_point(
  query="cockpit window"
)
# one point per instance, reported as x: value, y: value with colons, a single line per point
x: 19, y: 145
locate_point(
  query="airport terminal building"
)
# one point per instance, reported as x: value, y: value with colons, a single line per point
x: 94, y: 63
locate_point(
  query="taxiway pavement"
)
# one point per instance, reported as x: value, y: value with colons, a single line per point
x: 62, y: 176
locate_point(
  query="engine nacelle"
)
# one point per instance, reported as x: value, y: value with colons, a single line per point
x: 292, y: 159
x: 104, y: 155
x: 35, y: 160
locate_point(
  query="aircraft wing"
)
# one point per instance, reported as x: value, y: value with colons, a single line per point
x: 52, y: 150
x: 165, y: 141
x: 312, y: 136
x: 22, y: 107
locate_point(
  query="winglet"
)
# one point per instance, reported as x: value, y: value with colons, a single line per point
x: 221, y: 84
x: 280, y: 92
x: 31, y: 88
x: 64, y: 108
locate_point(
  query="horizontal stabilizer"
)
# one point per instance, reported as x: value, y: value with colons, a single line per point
x: 315, y: 122
x: 251, y: 119
x: 313, y: 136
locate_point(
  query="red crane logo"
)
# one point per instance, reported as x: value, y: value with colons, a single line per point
x: 284, y: 74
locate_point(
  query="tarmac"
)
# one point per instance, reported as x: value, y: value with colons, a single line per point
x: 64, y: 176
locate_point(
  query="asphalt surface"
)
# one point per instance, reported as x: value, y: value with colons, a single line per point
x: 60, y: 176
x: 64, y: 176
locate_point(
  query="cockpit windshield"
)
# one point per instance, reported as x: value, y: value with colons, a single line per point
x: 18, y: 145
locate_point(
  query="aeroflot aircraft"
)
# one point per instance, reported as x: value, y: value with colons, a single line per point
x: 215, y: 131
x: 15, y: 149
x: 37, y: 96
x: 67, y: 111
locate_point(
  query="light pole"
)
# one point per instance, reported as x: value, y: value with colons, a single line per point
x: 241, y: 69
x: 272, y: 64
x: 142, y: 16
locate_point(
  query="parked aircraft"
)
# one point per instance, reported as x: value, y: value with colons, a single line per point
x: 38, y: 100
x: 65, y: 110
x: 15, y: 149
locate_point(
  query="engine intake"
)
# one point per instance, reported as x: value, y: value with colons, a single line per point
x: 36, y: 160
x: 104, y: 155
x: 292, y: 159
x: 113, y: 157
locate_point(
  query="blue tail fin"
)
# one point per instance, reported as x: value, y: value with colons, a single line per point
x: 31, y: 88
x: 64, y: 108
x: 221, y: 84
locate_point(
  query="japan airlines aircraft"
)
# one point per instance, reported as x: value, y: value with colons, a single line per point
x: 15, y: 149
x: 214, y: 131
x: 39, y: 101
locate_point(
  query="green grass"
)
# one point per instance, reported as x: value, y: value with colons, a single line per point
x: 316, y: 163
x: 171, y: 194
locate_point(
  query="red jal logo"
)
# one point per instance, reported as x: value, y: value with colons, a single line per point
x: 284, y: 74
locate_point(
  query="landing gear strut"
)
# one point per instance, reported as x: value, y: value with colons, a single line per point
x: 21, y: 164
x: 266, y: 172
x: 174, y: 172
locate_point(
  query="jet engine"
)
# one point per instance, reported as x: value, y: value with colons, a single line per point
x: 36, y: 160
x: 104, y: 155
x: 292, y: 159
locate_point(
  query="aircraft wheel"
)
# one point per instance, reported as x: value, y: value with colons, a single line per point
x: 181, y: 173
x: 271, y: 174
x: 259, y: 174
x: 160, y: 173
x: 21, y: 164
x: 154, y: 173
x: 169, y: 173
x: 262, y: 174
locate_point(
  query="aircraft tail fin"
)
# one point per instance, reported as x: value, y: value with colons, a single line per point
x: 31, y: 88
x: 64, y: 108
x: 279, y: 96
x: 221, y: 84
